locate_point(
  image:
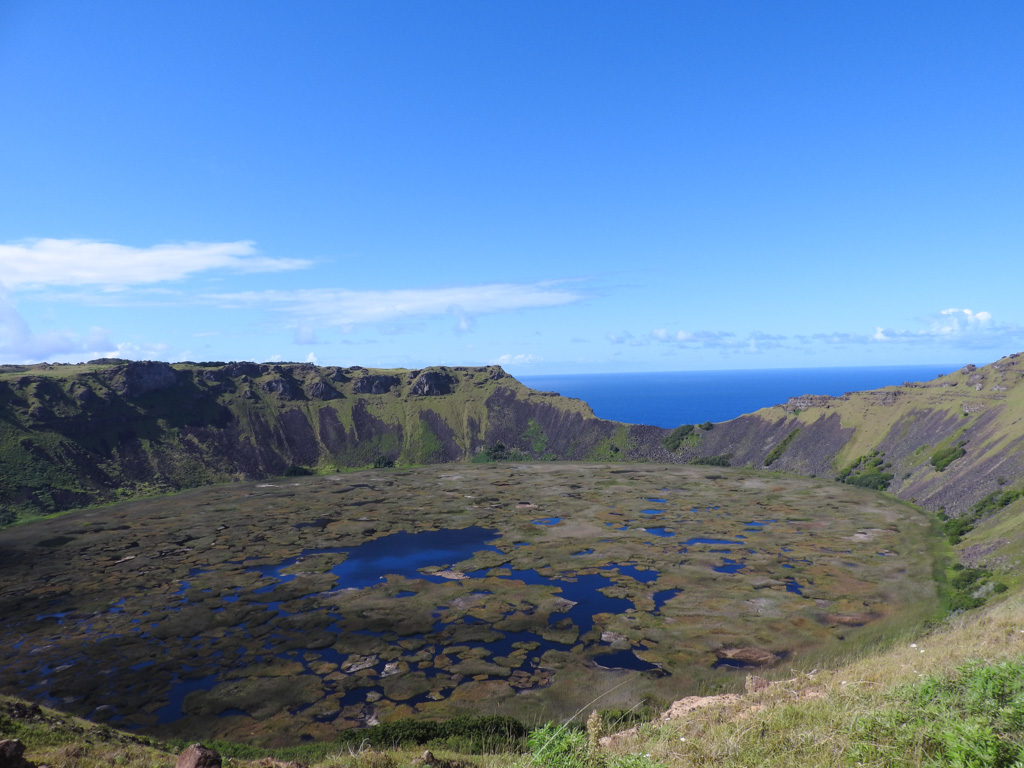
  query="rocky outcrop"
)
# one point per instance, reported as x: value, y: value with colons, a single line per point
x: 755, y: 657
x: 137, y: 379
x: 802, y: 403
x: 74, y: 434
x: 12, y: 754
x: 198, y: 756
x: 321, y: 390
x: 375, y: 384
x: 282, y: 387
x: 432, y: 384
x: 80, y: 434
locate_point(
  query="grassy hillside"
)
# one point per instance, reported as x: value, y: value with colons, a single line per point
x: 944, y: 444
x: 72, y: 435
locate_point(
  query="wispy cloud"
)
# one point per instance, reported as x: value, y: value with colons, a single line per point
x: 516, y: 360
x: 18, y: 342
x: 956, y: 327
x: 50, y: 262
x: 334, y: 307
x: 696, y: 338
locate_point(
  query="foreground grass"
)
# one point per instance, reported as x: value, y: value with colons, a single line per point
x: 905, y: 707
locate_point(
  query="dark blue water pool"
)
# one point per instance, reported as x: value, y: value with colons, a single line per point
x: 729, y: 566
x: 624, y: 660
x: 404, y: 554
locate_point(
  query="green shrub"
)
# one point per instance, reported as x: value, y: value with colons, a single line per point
x: 996, y: 501
x: 296, y: 471
x: 875, y: 480
x: 867, y: 472
x: 675, y: 438
x: 383, y: 462
x: 956, y: 528
x: 968, y: 577
x: 554, y: 746
x: 707, y: 426
x: 966, y: 582
x: 780, y: 449
x: 943, y: 457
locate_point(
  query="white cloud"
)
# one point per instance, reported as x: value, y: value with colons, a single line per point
x: 702, y: 338
x: 515, y: 360
x: 129, y: 351
x: 311, y: 358
x: 619, y: 338
x: 959, y: 327
x: 956, y: 321
x: 341, y: 308
x: 20, y: 344
x: 53, y: 262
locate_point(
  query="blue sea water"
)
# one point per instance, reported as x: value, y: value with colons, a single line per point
x: 691, y: 397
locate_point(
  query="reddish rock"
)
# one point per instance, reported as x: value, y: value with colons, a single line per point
x: 758, y: 657
x: 198, y: 756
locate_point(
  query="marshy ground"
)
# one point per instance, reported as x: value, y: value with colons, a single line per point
x: 290, y: 609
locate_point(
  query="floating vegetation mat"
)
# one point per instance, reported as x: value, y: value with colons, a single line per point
x: 287, y: 610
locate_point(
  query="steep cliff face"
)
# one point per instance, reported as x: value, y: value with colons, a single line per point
x: 73, y: 435
x: 975, y: 416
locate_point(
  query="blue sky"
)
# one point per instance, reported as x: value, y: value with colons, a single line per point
x: 558, y: 187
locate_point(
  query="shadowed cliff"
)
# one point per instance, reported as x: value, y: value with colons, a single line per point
x: 72, y: 435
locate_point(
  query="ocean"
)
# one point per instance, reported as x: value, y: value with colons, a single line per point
x: 692, y: 397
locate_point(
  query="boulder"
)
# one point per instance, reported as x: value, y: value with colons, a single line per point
x: 757, y: 657
x: 283, y: 388
x: 198, y: 756
x: 136, y: 379
x: 320, y: 390
x: 12, y: 754
x: 432, y: 384
x: 374, y: 384
x: 235, y: 370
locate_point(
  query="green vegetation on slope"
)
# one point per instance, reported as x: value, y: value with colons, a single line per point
x: 675, y: 438
x: 74, y: 435
x: 954, y: 693
x: 946, y: 455
x: 956, y: 528
x: 868, y: 472
x: 780, y: 449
